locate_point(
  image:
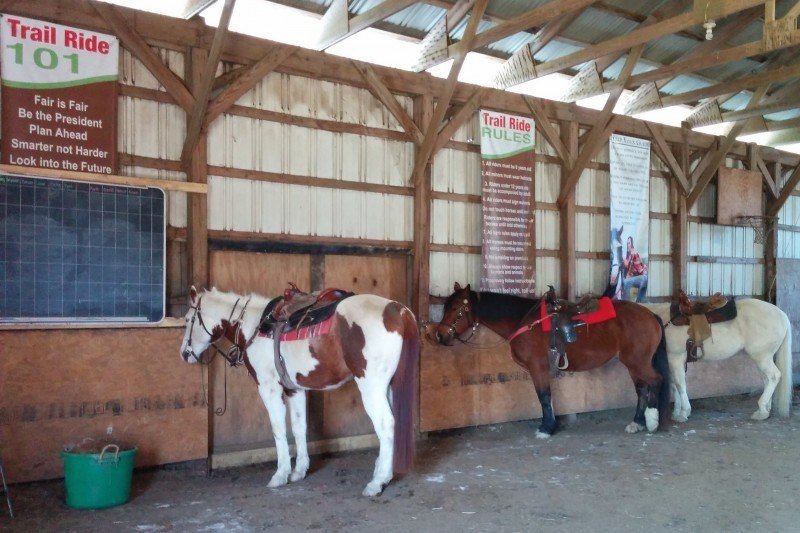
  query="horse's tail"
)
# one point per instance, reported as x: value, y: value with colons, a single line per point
x: 404, y: 394
x: 783, y: 360
x: 661, y: 365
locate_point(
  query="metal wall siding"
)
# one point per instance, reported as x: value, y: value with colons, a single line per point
x: 591, y: 276
x: 456, y: 223
x: 448, y: 268
x: 593, y: 188
x: 150, y: 129
x: 133, y: 72
x: 659, y: 195
x: 593, y: 233
x: 548, y: 272
x: 548, y: 230
x: 547, y: 182
x: 456, y: 171
x: 660, y: 236
x: 542, y: 146
x: 659, y: 281
x: 469, y: 131
x: 176, y: 201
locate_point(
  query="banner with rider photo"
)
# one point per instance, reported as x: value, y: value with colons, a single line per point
x: 629, y: 159
x: 508, y: 259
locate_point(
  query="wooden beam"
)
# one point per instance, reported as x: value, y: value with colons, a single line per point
x: 423, y: 111
x: 757, y: 164
x: 433, y: 48
x: 197, y: 172
x: 638, y: 36
x: 519, y: 67
x: 601, y: 131
x: 142, y: 51
x: 550, y: 134
x: 329, y: 37
x: 112, y: 179
x: 680, y: 224
x: 669, y: 159
x: 786, y: 193
x: 781, y: 137
x: 426, y: 150
x: 382, y: 93
x: 461, y: 116
x: 246, y: 81
x: 719, y: 156
x: 197, y: 116
x: 567, y: 219
x: 740, y: 84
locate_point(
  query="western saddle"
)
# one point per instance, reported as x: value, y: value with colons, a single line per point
x: 562, y: 318
x: 699, y: 315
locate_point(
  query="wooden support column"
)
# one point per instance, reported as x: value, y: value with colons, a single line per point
x: 197, y: 172
x: 569, y: 138
x: 770, y: 257
x: 423, y: 111
x: 680, y: 221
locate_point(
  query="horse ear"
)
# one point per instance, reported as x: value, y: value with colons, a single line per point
x: 193, y: 294
x: 621, y: 227
x: 456, y: 286
x: 467, y: 287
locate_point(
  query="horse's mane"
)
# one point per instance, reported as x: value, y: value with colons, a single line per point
x: 218, y: 301
x: 497, y: 306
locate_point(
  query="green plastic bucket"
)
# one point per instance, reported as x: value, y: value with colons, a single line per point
x: 98, y: 480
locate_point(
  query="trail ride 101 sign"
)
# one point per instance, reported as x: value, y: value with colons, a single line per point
x: 59, y: 103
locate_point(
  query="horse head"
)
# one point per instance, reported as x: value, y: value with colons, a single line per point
x: 204, y: 325
x: 460, y: 314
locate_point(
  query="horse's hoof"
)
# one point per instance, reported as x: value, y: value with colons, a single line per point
x: 542, y: 435
x: 679, y: 418
x: 651, y: 419
x: 760, y: 415
x: 297, y: 475
x: 634, y: 427
x: 278, y: 480
x: 372, y: 489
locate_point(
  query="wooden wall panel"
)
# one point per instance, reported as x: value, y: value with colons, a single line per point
x: 57, y: 387
x: 476, y: 384
x: 245, y: 424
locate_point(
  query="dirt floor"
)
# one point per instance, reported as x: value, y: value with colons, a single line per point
x: 718, y: 472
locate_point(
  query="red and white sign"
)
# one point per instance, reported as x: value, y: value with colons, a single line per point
x: 59, y: 102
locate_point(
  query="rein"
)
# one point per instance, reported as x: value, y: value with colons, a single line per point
x: 523, y: 329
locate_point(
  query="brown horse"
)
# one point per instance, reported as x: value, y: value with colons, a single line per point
x: 635, y: 335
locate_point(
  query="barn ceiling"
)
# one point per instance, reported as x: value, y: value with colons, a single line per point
x: 754, y: 45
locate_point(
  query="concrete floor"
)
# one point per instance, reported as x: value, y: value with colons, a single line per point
x: 718, y: 472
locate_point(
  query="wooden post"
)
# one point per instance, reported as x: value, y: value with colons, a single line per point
x: 569, y: 137
x: 680, y: 222
x: 770, y: 259
x: 423, y: 111
x: 197, y: 172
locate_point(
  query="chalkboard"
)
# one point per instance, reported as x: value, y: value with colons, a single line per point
x: 80, y: 252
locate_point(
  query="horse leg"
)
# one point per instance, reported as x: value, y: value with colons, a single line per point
x: 639, y: 420
x: 540, y: 375
x: 297, y: 410
x: 771, y: 376
x: 682, y: 408
x: 272, y: 396
x: 375, y: 398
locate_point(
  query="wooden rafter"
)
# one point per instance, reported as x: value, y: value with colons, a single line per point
x: 433, y: 48
x: 786, y: 193
x: 782, y: 99
x: 246, y: 80
x: 518, y: 67
x: 379, y: 90
x: 589, y: 81
x: 549, y: 132
x: 426, y: 149
x: 756, y: 164
x: 459, y: 117
x: 198, y: 113
x: 142, y: 51
x: 720, y: 154
x: 534, y: 18
x: 337, y: 24
x: 781, y: 137
x: 601, y: 130
x: 668, y: 157
x: 638, y: 36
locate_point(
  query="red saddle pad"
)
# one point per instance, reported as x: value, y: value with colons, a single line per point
x: 605, y: 312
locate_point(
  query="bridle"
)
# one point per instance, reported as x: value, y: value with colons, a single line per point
x: 235, y: 354
x: 463, y: 310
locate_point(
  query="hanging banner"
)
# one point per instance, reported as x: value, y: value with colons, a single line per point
x: 508, y: 259
x: 629, y: 158
x: 59, y: 103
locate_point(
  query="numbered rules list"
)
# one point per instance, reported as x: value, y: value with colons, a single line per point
x: 59, y: 96
x: 507, y: 148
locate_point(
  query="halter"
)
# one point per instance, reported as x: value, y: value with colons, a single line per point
x: 453, y: 331
x: 235, y: 354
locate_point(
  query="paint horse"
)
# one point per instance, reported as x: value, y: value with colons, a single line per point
x: 635, y: 335
x: 367, y: 338
x: 761, y: 330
